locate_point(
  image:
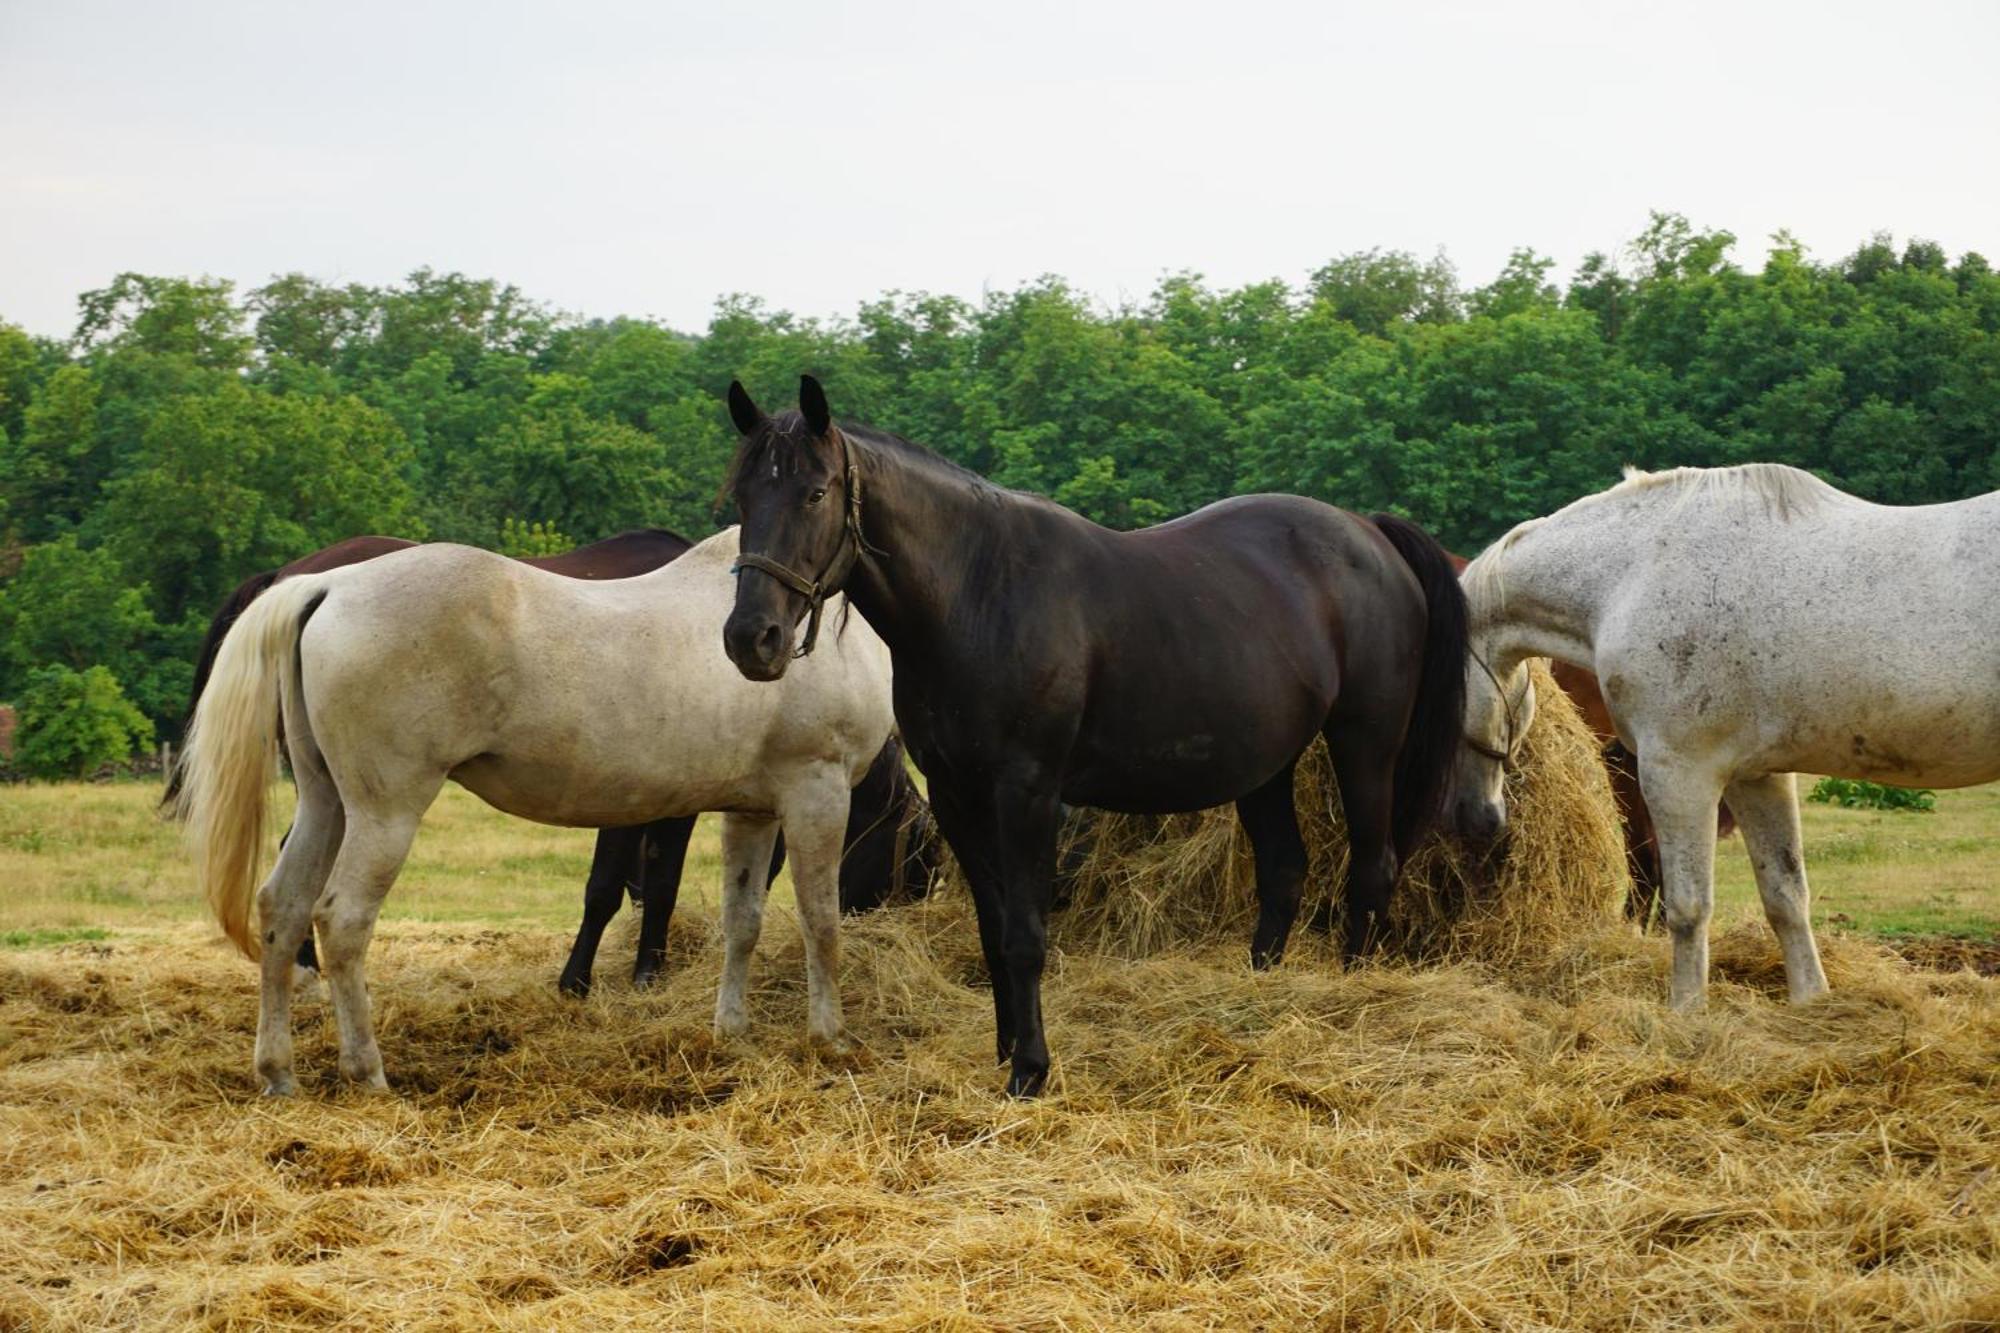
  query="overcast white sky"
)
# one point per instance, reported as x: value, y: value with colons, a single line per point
x: 642, y: 158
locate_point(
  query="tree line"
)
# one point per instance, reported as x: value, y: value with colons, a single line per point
x: 188, y: 434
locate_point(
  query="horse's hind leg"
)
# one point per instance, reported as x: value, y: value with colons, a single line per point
x: 614, y: 858
x: 661, y: 855
x: 284, y: 909
x: 1364, y: 764
x: 371, y: 853
x: 1767, y: 810
x: 746, y: 860
x: 1271, y: 820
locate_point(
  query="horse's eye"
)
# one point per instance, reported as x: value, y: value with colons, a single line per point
x: 818, y: 494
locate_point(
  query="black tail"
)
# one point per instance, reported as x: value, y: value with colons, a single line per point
x: 1437, y: 724
x: 233, y: 606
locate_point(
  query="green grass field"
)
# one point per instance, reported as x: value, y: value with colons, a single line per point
x: 80, y: 861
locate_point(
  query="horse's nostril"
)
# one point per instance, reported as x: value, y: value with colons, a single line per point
x: 769, y: 642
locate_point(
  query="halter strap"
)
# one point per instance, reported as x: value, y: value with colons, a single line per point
x: 1505, y: 758
x: 816, y: 591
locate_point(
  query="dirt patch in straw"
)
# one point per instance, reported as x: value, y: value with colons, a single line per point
x: 1949, y: 953
x: 1468, y: 1145
x: 1139, y: 884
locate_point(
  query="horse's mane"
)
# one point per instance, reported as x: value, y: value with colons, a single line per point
x: 1786, y: 493
x: 790, y: 428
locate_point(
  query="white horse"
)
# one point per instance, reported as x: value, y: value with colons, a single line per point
x: 1747, y: 623
x: 569, y: 702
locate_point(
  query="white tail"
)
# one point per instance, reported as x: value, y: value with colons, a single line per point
x: 229, y: 758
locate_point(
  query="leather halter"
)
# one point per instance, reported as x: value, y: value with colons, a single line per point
x: 1505, y: 758
x: 816, y: 591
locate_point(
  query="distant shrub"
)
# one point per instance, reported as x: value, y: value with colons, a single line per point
x: 529, y: 541
x: 74, y: 722
x: 1856, y: 794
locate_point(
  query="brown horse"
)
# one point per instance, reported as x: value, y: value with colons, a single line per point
x: 891, y: 852
x: 1642, y: 844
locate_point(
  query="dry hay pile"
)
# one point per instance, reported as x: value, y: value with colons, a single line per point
x: 1444, y: 1147
x: 1140, y: 884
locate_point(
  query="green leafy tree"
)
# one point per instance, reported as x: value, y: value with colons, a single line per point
x: 233, y: 481
x: 1376, y: 290
x: 51, y: 473
x: 196, y: 319
x: 75, y: 606
x: 585, y: 475
x: 22, y: 369
x: 72, y: 723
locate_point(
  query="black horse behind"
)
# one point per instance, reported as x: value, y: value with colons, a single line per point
x: 1042, y: 659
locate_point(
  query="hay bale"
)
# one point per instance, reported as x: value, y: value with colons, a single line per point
x: 1139, y: 883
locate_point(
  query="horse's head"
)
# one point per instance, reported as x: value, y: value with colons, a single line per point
x: 1498, y: 712
x: 800, y: 504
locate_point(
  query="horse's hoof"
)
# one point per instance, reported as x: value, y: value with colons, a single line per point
x: 732, y: 1028
x: 576, y: 987
x: 644, y: 978
x: 837, y: 1045
x: 286, y: 1086
x: 364, y: 1079
x: 1026, y: 1085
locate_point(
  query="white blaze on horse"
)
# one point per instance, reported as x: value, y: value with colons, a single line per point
x: 1747, y: 624
x: 586, y: 704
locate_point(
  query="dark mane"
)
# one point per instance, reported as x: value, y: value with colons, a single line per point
x: 789, y: 427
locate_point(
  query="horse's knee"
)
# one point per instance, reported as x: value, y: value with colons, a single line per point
x: 1684, y: 912
x: 1025, y: 950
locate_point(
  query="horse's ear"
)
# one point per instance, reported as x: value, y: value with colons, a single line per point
x: 812, y: 404
x: 746, y: 414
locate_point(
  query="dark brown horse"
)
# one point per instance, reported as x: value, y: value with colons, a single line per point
x: 891, y: 850
x: 1042, y: 659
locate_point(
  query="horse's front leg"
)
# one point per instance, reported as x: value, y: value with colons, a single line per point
x: 1682, y: 797
x: 746, y: 860
x: 814, y: 811
x: 1025, y: 818
x: 968, y: 830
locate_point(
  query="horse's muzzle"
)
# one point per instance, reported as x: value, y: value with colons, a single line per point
x: 1480, y: 825
x: 756, y: 644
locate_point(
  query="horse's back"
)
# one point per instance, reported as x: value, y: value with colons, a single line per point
x: 1852, y: 638
x: 576, y: 702
x: 1278, y: 600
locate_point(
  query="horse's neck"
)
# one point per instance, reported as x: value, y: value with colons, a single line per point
x: 1551, y: 587
x: 926, y: 529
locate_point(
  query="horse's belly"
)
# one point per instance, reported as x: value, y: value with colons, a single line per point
x: 1932, y: 757
x: 552, y: 793
x: 1188, y: 769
